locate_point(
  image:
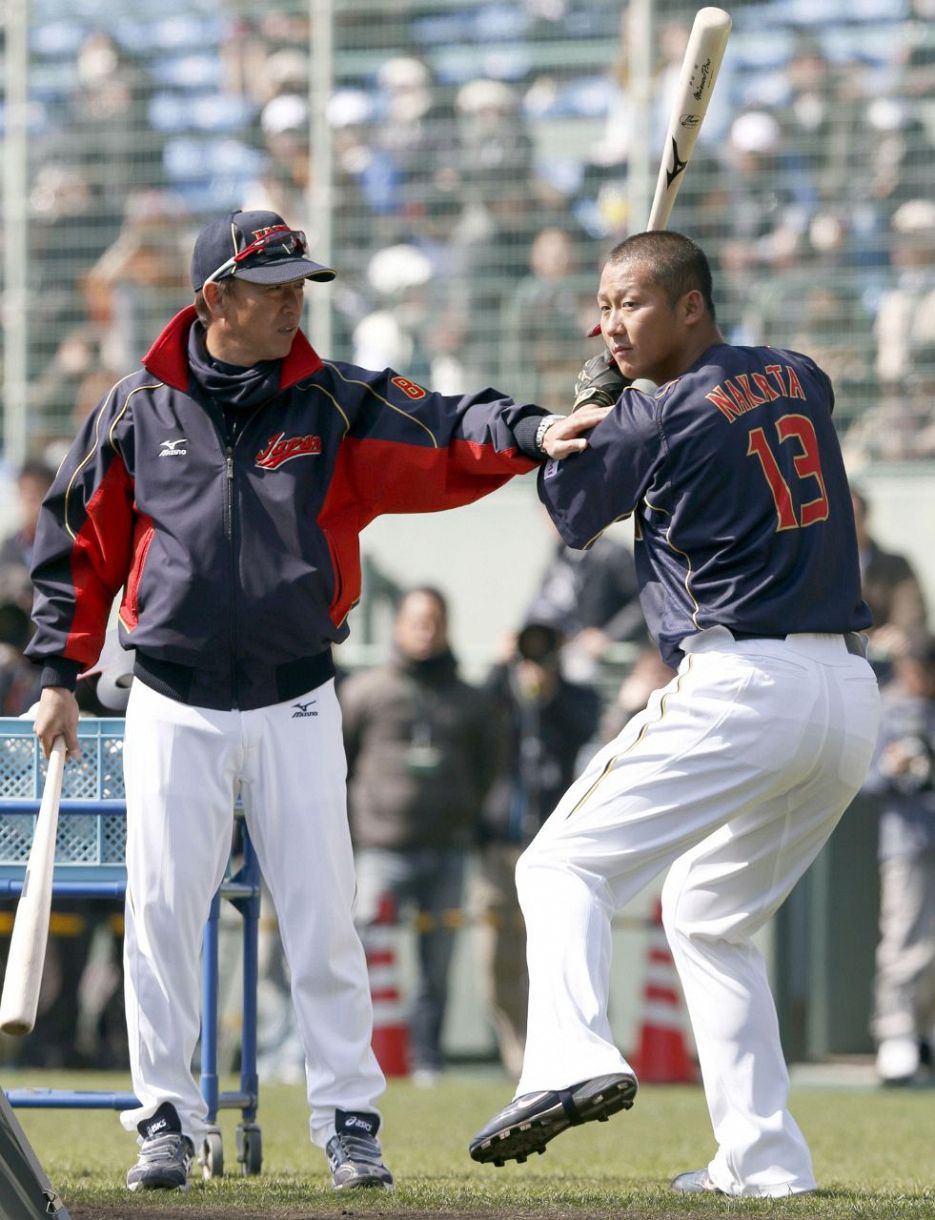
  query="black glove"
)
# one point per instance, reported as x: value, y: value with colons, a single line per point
x: 600, y: 382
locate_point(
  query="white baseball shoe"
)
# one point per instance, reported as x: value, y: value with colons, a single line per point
x: 354, y: 1154
x: 695, y: 1182
x: 166, y: 1154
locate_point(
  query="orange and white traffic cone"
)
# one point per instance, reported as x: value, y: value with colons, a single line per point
x: 662, y: 1056
x: 390, y: 1031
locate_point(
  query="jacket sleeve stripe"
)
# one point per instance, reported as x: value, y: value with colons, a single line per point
x: 99, y: 561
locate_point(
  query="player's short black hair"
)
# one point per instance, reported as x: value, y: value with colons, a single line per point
x: 678, y: 264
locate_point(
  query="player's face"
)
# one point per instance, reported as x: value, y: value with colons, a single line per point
x: 256, y: 322
x: 647, y: 334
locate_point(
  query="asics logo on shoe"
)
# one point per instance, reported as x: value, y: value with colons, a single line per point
x: 352, y: 1121
x: 171, y: 448
x: 281, y: 448
x: 303, y: 711
x: 154, y: 1128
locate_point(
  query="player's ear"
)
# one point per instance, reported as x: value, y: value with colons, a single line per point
x: 692, y: 306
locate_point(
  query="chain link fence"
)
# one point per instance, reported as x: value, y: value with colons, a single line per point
x: 465, y: 165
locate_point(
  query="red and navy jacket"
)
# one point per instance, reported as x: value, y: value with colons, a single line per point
x: 735, y: 479
x: 239, y: 562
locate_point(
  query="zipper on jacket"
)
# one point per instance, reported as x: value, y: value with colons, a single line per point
x: 229, y: 494
x: 229, y: 534
x: 231, y: 442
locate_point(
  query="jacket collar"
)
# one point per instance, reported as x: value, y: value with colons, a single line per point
x: 167, y: 359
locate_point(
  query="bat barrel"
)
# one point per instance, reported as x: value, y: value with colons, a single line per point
x: 26, y: 958
x: 700, y: 66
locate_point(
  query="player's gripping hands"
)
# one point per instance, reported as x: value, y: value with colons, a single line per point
x: 597, y: 388
x: 562, y: 435
x: 600, y: 382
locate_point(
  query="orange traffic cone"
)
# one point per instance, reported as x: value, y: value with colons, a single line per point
x: 390, y: 1032
x: 662, y: 1056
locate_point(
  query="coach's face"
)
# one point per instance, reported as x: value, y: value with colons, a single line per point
x: 649, y: 335
x: 253, y: 322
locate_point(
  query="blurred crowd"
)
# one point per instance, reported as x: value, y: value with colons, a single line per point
x: 480, y: 158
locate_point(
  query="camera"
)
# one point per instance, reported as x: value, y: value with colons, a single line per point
x: 539, y: 642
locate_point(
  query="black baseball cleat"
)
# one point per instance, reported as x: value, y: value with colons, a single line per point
x: 527, y: 1124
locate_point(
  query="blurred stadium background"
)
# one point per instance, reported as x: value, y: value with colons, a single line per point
x: 465, y: 165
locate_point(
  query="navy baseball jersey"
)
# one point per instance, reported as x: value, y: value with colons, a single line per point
x: 734, y: 475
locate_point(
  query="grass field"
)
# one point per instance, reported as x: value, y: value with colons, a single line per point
x: 874, y: 1156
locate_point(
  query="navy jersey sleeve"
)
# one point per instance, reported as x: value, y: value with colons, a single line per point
x: 589, y: 491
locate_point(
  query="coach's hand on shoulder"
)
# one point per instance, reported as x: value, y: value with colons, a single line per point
x: 57, y: 716
x: 599, y: 382
x: 564, y: 437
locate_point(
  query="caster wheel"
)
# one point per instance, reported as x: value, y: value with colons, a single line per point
x: 249, y: 1149
x: 211, y: 1156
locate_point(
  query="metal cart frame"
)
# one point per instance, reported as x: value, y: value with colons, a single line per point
x: 89, y: 863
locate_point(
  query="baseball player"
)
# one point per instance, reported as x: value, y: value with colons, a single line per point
x: 223, y: 488
x: 738, y: 770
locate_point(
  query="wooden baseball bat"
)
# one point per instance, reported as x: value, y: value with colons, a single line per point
x: 30, y: 935
x: 703, y: 55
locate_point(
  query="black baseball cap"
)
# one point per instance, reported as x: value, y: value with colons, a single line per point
x: 255, y: 246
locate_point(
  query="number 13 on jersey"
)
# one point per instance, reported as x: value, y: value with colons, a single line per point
x: 799, y: 431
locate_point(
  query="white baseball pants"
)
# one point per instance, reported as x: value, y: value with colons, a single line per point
x: 732, y: 778
x: 184, y: 767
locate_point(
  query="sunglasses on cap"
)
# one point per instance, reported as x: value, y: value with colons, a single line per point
x: 277, y: 241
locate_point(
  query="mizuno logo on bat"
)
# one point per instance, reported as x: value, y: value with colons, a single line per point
x: 677, y: 165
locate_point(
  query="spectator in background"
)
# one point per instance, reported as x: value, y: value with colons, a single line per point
x: 592, y: 598
x: 396, y: 333
x: 413, y: 140
x: 889, y: 585
x: 770, y: 197
x: 32, y: 482
x: 544, y: 723
x: 905, y: 322
x: 421, y: 748
x: 19, y: 684
x: 69, y: 229
x: 902, y: 777
x: 545, y: 319
x: 140, y: 277
x: 503, y: 211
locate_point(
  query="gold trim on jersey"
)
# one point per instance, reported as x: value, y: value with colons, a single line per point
x: 97, y: 435
x: 688, y: 563
x: 386, y: 402
x: 644, y: 729
x: 605, y: 528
